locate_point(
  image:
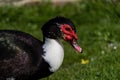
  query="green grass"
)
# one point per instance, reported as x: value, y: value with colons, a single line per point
x: 98, y: 29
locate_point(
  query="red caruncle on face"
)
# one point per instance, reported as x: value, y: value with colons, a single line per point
x: 68, y: 32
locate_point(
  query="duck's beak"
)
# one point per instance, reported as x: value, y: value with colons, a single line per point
x: 76, y: 46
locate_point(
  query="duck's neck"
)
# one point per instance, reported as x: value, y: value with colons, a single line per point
x: 53, y: 53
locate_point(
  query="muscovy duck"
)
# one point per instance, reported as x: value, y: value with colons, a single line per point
x: 23, y: 57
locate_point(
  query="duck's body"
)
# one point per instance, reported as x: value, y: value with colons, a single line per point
x: 23, y: 57
x: 19, y: 54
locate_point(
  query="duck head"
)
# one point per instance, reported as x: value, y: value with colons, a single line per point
x: 61, y: 27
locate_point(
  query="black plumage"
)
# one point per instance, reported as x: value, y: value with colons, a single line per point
x: 20, y: 56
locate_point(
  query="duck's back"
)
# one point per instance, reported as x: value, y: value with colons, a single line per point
x: 20, y: 54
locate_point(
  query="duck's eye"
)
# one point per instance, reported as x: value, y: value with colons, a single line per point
x: 67, y: 29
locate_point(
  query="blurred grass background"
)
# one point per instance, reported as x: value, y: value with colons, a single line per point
x: 98, y: 29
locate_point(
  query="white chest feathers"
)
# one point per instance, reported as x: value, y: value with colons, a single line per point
x: 54, y: 54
